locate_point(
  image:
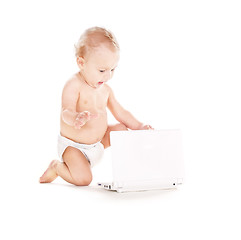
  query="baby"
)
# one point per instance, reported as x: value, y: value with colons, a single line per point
x: 84, y: 131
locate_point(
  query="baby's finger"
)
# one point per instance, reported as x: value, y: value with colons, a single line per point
x: 85, y: 115
x: 77, y: 125
x: 94, y: 115
x: 88, y: 115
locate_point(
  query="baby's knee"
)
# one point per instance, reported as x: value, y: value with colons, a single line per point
x: 83, y: 181
x: 121, y: 127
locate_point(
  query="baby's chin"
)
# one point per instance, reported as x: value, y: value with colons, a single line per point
x: 95, y: 85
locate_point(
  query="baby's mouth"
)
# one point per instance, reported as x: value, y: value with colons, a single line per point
x: 100, y: 83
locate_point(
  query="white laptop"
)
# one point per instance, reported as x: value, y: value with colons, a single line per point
x: 145, y: 160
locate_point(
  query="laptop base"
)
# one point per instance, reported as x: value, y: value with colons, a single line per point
x: 134, y: 187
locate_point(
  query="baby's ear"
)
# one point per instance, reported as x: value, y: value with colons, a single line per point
x: 80, y: 61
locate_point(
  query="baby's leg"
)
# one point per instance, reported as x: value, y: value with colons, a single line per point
x: 75, y: 169
x: 117, y: 127
x: 79, y: 171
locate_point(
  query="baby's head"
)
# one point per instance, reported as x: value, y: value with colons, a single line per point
x: 97, y: 53
x: 93, y: 38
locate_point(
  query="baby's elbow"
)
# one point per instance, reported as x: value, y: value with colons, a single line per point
x: 68, y: 116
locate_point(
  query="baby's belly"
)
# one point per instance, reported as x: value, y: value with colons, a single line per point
x: 92, y: 132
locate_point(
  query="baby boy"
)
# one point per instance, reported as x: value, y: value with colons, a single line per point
x: 84, y: 130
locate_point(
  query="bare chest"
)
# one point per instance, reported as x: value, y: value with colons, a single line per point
x: 93, y: 101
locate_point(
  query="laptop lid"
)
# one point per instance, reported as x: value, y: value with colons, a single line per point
x: 146, y: 157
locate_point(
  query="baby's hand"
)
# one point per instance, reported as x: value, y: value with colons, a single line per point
x: 82, y: 118
x: 146, y: 127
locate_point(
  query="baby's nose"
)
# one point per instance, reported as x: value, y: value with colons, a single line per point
x: 108, y: 75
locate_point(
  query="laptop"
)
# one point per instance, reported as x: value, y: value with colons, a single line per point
x: 145, y: 160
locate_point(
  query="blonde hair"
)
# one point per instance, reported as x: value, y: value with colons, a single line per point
x: 94, y: 37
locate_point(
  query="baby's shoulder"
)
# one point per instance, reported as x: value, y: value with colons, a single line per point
x: 107, y: 88
x: 73, y: 83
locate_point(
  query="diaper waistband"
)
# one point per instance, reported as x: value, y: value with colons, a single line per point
x: 70, y: 142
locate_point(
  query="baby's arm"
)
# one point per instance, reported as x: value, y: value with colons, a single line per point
x: 123, y: 115
x: 69, y: 114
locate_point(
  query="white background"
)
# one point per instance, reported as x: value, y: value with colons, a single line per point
x: 179, y: 68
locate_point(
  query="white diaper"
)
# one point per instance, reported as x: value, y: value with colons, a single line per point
x: 93, y: 152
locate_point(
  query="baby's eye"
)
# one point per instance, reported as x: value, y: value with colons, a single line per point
x: 102, y: 71
x: 112, y: 70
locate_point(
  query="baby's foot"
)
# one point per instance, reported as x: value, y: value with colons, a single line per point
x: 50, y: 174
